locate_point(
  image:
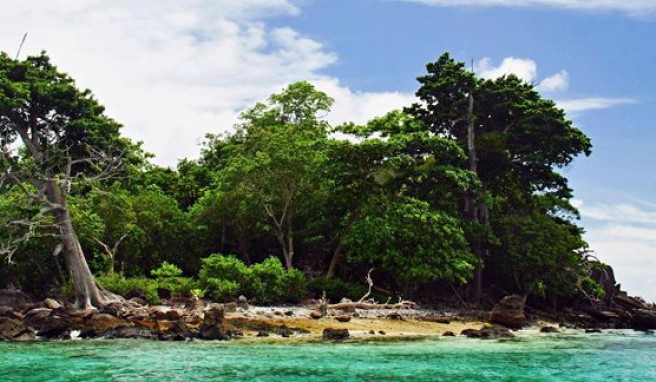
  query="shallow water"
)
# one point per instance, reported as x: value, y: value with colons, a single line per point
x: 614, y: 356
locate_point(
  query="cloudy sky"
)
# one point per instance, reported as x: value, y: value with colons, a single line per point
x: 171, y: 71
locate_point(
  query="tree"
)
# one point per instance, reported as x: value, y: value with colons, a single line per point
x: 516, y: 142
x: 54, y: 139
x: 279, y: 163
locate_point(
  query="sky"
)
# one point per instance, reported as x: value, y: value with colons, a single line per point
x: 171, y: 71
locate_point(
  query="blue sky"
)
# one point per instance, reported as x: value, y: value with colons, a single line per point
x: 172, y: 71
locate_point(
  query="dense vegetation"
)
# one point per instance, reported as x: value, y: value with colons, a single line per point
x: 458, y: 195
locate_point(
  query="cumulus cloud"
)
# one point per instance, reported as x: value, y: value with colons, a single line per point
x: 173, y: 71
x: 624, y: 235
x: 523, y: 68
x: 633, y: 7
x: 555, y: 83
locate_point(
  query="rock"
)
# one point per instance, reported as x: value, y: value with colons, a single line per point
x: 55, y: 327
x: 15, y: 299
x: 471, y: 333
x: 335, y: 334
x: 15, y: 330
x: 234, y: 333
x: 448, y: 334
x: 509, y: 311
x: 6, y: 311
x: 242, y: 302
x: 549, y: 329
x: 491, y: 333
x: 103, y: 322
x: 644, y: 319
x: 51, y: 304
x: 395, y: 316
x: 594, y: 330
x: 372, y: 332
x: 283, y: 331
x: 173, y: 314
x: 343, y: 318
x: 138, y: 301
x: 230, y: 307
x: 212, y: 327
x: 382, y: 332
x: 289, y: 313
x: 315, y: 315
x: 277, y: 313
x: 262, y: 333
x: 135, y: 293
x: 37, y: 316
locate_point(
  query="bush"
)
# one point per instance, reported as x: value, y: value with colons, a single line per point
x: 119, y: 284
x: 226, y: 277
x: 336, y: 289
x: 166, y: 270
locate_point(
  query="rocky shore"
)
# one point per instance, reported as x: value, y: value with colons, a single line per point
x: 180, y: 319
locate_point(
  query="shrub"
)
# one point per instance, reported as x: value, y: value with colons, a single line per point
x: 166, y: 270
x: 118, y: 284
x: 226, y: 277
x: 336, y: 289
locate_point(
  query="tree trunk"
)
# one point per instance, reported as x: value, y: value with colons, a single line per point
x: 339, y: 251
x: 87, y: 293
x: 473, y: 202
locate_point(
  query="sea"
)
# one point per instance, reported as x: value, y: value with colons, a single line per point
x: 569, y: 356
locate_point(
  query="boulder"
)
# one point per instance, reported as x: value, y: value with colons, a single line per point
x: 335, y: 334
x: 174, y: 314
x: 448, y: 334
x: 15, y: 299
x: 36, y: 317
x: 51, y: 304
x: 230, y: 307
x: 343, y: 318
x: 471, y: 333
x: 315, y: 315
x: 509, y: 311
x: 242, y: 302
x: 644, y: 319
x: 6, y: 311
x: 55, y: 327
x: 212, y: 327
x: 15, y: 330
x: 492, y: 333
x: 549, y: 329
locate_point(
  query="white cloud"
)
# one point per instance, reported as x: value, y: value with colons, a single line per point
x: 555, y: 83
x: 633, y: 7
x: 173, y: 71
x: 577, y: 106
x: 624, y: 235
x: 523, y: 68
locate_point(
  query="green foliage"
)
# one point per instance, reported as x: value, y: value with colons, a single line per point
x: 226, y: 277
x: 167, y: 270
x: 411, y: 241
x: 121, y: 285
x: 336, y: 289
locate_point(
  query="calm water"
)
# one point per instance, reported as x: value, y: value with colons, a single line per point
x: 617, y: 356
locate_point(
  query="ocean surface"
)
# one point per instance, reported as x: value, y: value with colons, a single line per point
x: 610, y: 356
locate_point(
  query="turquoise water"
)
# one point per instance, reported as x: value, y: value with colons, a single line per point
x: 618, y: 356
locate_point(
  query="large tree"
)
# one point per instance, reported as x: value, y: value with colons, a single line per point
x: 55, y: 139
x: 516, y: 142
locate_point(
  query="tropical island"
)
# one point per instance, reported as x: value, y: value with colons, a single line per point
x: 418, y: 222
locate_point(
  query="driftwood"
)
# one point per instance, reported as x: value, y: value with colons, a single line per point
x: 371, y: 305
